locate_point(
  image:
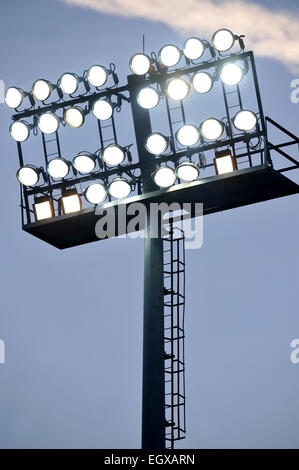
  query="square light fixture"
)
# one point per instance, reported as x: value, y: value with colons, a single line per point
x: 70, y: 202
x: 43, y: 208
x: 224, y: 162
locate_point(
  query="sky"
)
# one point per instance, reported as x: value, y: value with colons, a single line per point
x: 72, y: 320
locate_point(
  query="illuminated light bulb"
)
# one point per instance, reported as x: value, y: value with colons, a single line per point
x: 42, y: 89
x: 231, y: 74
x: 187, y: 171
x: 97, y: 75
x: 177, y: 89
x: 188, y: 135
x: 58, y: 168
x: 19, y: 131
x: 148, y: 98
x: 95, y: 193
x: 193, y: 48
x: 102, y: 109
x: 140, y: 64
x: 169, y: 55
x: 164, y: 177
x: 156, y: 143
x: 119, y: 188
x: 223, y: 40
x: 202, y: 82
x: 211, y: 129
x: 245, y: 121
x: 28, y: 175
x: 48, y: 123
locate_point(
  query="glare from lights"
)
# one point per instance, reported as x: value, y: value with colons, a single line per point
x: 119, y: 188
x: 48, y: 123
x: 58, y: 168
x: 177, y: 89
x: 223, y: 40
x: 156, y: 143
x: 74, y: 117
x: 140, y: 64
x: 43, y: 209
x: 102, y: 109
x: 84, y: 162
x: 193, y: 48
x: 19, y: 130
x: 41, y: 89
x: 71, y: 202
x: 169, y: 55
x: 28, y: 175
x: 211, y: 129
x: 231, y: 74
x: 14, y: 97
x: 164, y: 177
x: 95, y: 193
x: 148, y: 98
x: 187, y: 135
x: 97, y: 75
x: 187, y: 171
x: 245, y: 121
x: 224, y: 163
x: 69, y: 83
x: 113, y: 155
x: 202, y: 82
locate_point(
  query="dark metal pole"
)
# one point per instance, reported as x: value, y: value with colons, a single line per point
x: 153, y: 398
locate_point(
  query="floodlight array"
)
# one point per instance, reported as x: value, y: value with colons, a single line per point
x: 68, y: 84
x: 177, y: 157
x: 192, y: 50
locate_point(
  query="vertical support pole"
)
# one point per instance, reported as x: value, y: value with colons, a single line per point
x: 153, y: 398
x: 266, y: 158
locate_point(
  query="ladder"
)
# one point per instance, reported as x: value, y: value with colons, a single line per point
x: 176, y: 116
x: 174, y: 335
x: 233, y: 104
x: 51, y: 147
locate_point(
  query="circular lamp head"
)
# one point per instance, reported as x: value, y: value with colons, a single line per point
x: 156, y: 143
x: 119, y: 188
x: 19, y: 130
x: 113, y: 155
x: 245, y: 121
x: 164, y: 177
x: 202, y: 82
x: 148, y: 98
x: 187, y: 135
x: 211, y: 129
x: 74, y: 117
x: 193, y: 48
x: 42, y: 89
x: 140, y: 64
x: 68, y: 83
x: 28, y: 175
x: 58, y: 168
x: 102, y: 109
x: 48, y: 123
x: 169, y: 55
x: 84, y: 162
x: 187, y: 171
x: 14, y: 97
x: 95, y: 193
x: 223, y: 40
x: 97, y: 75
x: 177, y: 89
x: 231, y: 74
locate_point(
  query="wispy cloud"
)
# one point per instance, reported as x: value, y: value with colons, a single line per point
x: 272, y: 34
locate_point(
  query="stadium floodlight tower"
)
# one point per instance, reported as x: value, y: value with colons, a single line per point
x: 223, y: 159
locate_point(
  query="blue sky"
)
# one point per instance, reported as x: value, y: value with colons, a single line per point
x: 72, y: 320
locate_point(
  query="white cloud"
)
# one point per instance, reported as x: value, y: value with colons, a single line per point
x: 272, y: 34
